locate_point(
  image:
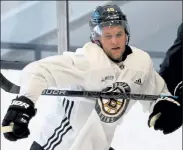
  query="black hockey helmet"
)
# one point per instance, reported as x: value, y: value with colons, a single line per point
x: 108, y: 15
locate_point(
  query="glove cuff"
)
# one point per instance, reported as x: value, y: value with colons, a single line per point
x: 170, y: 99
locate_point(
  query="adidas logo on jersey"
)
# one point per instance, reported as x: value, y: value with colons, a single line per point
x: 138, y: 81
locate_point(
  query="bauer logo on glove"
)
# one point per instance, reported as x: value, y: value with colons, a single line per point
x: 20, y: 103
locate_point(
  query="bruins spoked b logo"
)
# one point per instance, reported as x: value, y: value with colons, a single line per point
x: 110, y: 110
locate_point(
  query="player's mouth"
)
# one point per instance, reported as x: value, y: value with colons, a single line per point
x: 116, y: 48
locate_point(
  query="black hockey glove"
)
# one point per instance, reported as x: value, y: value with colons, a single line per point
x: 19, y: 113
x: 166, y: 115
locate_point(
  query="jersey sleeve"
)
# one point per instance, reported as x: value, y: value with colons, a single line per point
x: 171, y: 67
x: 51, y: 72
x: 153, y: 85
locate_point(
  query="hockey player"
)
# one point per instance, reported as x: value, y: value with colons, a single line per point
x: 107, y: 63
x: 171, y: 71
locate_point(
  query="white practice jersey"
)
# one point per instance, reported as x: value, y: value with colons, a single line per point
x: 84, y: 123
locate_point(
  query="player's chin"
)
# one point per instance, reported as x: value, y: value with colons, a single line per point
x: 116, y: 57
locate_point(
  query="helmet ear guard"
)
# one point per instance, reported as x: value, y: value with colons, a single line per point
x: 95, y: 41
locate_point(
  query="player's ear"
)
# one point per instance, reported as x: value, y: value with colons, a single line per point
x: 126, y: 39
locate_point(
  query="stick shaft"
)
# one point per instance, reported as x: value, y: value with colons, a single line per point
x: 96, y: 94
x: 13, y: 88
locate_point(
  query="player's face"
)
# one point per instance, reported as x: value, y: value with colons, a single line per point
x: 113, y: 40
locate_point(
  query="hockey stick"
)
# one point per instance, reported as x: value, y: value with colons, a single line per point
x: 8, y: 86
x: 12, y: 88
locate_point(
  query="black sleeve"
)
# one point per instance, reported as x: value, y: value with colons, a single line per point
x: 171, y: 67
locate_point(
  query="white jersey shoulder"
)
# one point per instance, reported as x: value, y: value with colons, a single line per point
x: 89, y: 56
x: 139, y: 60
